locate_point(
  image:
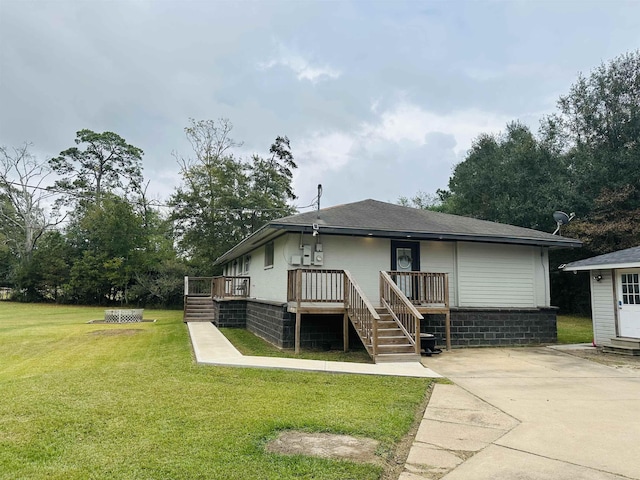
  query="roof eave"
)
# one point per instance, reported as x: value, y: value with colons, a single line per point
x: 247, y: 244
x: 264, y: 233
x: 603, y: 266
x: 333, y: 230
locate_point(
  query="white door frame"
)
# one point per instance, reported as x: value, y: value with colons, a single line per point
x: 628, y: 302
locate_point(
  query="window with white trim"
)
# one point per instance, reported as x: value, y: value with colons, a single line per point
x: 630, y: 289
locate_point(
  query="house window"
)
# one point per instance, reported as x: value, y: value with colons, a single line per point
x: 247, y: 262
x: 268, y: 255
x: 630, y: 289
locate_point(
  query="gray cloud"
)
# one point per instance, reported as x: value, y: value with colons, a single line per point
x: 379, y: 99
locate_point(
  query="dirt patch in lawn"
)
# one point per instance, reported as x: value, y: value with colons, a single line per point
x: 346, y: 447
x: 326, y: 445
x: 127, y: 332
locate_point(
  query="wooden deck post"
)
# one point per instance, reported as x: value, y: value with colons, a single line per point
x: 298, y: 314
x: 447, y: 318
x: 345, y: 331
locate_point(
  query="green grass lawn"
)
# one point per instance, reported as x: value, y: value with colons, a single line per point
x: 96, y: 401
x: 573, y: 329
x: 249, y: 344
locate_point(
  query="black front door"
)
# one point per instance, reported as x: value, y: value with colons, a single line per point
x: 405, y: 257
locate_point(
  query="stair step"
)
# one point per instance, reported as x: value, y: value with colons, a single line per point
x: 387, y: 324
x: 626, y: 342
x: 389, y: 330
x: 396, y: 357
x: 622, y: 350
x: 396, y: 349
x: 394, y: 341
x: 199, y: 309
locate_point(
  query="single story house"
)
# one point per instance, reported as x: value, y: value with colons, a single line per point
x: 615, y: 298
x: 383, y: 273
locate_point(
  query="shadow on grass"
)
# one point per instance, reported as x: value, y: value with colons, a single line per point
x: 250, y: 344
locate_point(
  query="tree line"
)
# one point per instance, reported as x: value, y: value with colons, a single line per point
x: 584, y: 158
x: 93, y: 236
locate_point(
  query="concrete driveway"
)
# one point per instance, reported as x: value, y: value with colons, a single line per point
x: 574, y: 418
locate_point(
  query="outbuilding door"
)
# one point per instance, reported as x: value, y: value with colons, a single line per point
x: 405, y: 257
x: 629, y: 303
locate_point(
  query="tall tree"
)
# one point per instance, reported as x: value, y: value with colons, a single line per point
x: 512, y: 178
x: 23, y: 209
x: 207, y: 207
x: 598, y: 125
x: 614, y: 222
x: 107, y: 163
x: 222, y: 199
x: 109, y: 244
x: 271, y: 184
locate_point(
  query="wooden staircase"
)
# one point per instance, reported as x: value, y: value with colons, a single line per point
x: 198, y: 309
x: 623, y: 346
x: 393, y: 345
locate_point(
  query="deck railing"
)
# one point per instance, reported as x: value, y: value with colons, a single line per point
x: 226, y: 287
x: 315, y: 285
x: 401, y: 309
x: 198, y: 286
x: 218, y: 287
x: 362, y: 313
x: 423, y: 288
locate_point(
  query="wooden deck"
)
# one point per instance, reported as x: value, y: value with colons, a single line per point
x: 388, y: 327
x: 334, y: 292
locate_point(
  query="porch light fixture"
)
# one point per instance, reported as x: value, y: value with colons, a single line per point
x: 597, y: 277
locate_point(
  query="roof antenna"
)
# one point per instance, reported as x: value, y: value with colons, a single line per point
x: 562, y: 218
x: 319, y: 195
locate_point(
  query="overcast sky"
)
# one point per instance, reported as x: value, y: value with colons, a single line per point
x: 379, y: 98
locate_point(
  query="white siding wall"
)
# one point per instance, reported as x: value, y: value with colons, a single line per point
x: 603, y: 305
x: 541, y: 264
x: 440, y: 257
x: 480, y: 275
x: 270, y: 283
x: 496, y: 275
x: 364, y: 257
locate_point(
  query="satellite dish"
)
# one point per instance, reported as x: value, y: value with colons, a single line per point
x: 562, y: 218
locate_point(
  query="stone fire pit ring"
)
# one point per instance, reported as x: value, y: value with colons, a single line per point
x: 123, y: 315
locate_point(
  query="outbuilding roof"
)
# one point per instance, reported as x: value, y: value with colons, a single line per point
x: 627, y: 258
x: 381, y: 219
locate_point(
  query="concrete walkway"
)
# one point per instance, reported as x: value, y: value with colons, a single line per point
x: 528, y: 413
x: 213, y: 348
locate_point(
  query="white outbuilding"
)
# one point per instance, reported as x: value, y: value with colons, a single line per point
x: 615, y: 298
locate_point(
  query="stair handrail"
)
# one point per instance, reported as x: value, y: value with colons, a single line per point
x: 361, y: 312
x: 404, y: 313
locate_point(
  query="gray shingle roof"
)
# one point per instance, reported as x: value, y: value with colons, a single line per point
x: 628, y: 257
x: 379, y: 217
